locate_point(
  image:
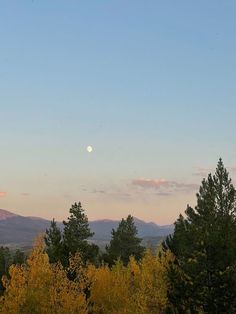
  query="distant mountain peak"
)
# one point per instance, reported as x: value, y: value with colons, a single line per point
x: 4, y: 214
x: 22, y: 230
x: 102, y: 220
x: 137, y: 220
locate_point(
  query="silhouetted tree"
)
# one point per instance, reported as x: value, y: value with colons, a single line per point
x: 203, y: 277
x: 76, y: 234
x: 124, y: 243
x: 19, y: 257
x: 54, y: 243
x: 5, y: 262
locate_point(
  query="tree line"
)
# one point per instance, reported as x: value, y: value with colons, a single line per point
x: 7, y: 258
x: 61, y: 244
x: 193, y: 270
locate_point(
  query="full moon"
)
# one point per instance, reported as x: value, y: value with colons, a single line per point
x: 89, y: 149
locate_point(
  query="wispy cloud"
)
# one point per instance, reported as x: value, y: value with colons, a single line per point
x: 232, y: 169
x: 3, y: 194
x: 95, y: 191
x: 202, y: 171
x: 25, y: 194
x: 159, y: 193
x: 165, y: 186
x: 150, y: 183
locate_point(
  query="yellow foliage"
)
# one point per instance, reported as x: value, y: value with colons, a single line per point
x: 152, y: 283
x: 110, y: 289
x: 139, y: 288
x: 41, y: 287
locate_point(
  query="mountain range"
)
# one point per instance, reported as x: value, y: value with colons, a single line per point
x: 17, y: 230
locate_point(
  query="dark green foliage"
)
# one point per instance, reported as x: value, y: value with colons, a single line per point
x: 76, y: 234
x: 203, y: 278
x: 7, y: 258
x: 19, y: 257
x: 124, y: 243
x: 5, y: 262
x: 60, y: 246
x: 76, y: 230
x: 54, y: 243
x: 91, y: 254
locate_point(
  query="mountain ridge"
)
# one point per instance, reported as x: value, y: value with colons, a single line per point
x: 4, y: 214
x: 22, y: 230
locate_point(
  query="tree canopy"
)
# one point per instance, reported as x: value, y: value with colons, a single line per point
x: 203, y: 277
x: 54, y: 243
x: 61, y: 245
x: 125, y: 242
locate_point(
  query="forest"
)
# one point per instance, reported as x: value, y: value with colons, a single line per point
x: 192, y: 271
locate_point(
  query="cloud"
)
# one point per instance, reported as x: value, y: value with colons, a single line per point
x: 114, y: 193
x: 202, y: 171
x: 232, y: 169
x: 165, y: 186
x: 150, y: 183
x: 25, y: 194
x: 3, y: 194
x: 163, y: 193
x: 95, y: 191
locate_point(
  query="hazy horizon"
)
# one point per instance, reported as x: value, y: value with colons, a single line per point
x: 148, y: 85
x: 65, y: 218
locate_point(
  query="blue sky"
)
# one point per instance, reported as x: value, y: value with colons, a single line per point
x: 149, y: 84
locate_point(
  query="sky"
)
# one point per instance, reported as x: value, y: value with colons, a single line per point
x: 150, y: 85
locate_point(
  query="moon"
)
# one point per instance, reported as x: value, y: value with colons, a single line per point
x: 89, y: 149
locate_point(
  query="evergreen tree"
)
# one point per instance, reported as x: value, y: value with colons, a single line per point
x: 54, y: 244
x: 124, y: 243
x: 19, y: 257
x: 203, y: 277
x: 5, y: 262
x: 76, y: 234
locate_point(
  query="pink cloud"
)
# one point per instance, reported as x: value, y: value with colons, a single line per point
x: 232, y: 169
x: 151, y: 183
x: 25, y: 194
x: 95, y: 191
x: 3, y: 194
x: 202, y: 171
x: 162, y: 184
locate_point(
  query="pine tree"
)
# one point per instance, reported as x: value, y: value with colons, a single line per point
x: 203, y: 277
x: 19, y: 257
x: 124, y: 243
x: 5, y: 262
x: 76, y: 234
x: 54, y: 243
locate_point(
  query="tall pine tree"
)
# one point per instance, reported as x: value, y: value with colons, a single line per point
x: 124, y: 243
x: 76, y: 235
x: 203, y: 277
x: 54, y: 243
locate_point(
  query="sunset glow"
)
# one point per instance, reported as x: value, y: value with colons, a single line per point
x: 124, y: 106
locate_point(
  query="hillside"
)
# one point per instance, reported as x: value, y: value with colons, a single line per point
x: 20, y: 230
x: 102, y: 228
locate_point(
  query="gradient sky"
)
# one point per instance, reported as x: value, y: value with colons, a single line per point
x: 149, y: 84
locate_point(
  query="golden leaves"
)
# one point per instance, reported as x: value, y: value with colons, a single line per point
x: 41, y: 287
x: 139, y: 288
